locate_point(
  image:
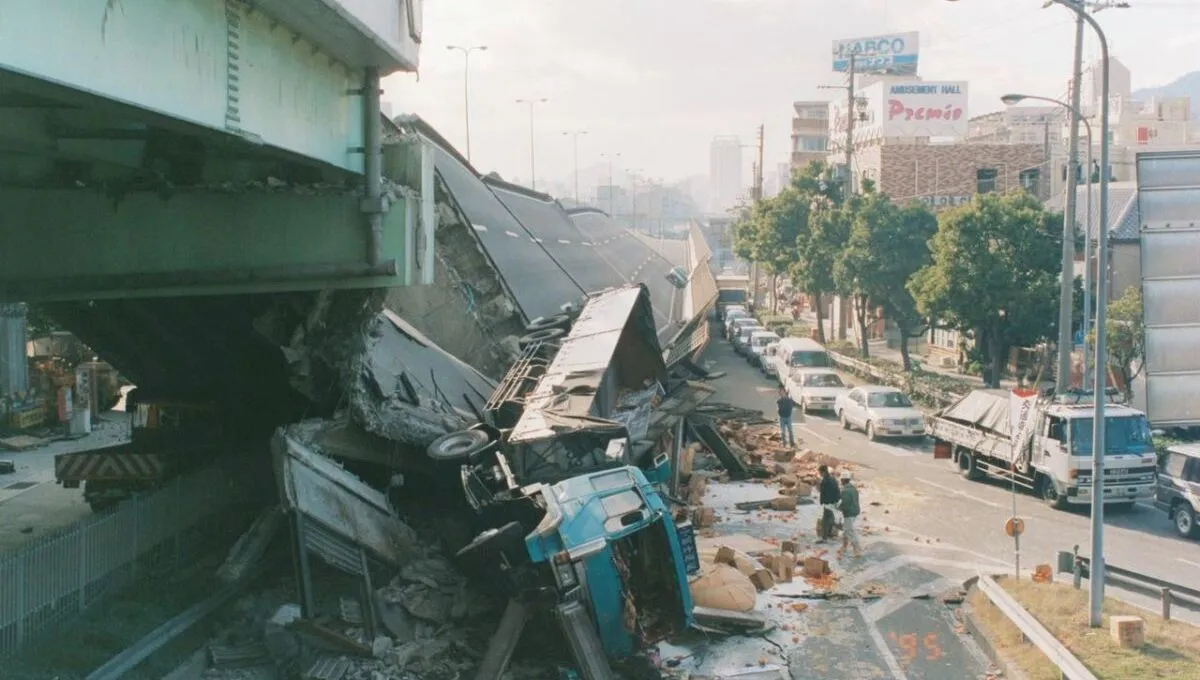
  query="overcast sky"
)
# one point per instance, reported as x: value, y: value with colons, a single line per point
x: 656, y: 79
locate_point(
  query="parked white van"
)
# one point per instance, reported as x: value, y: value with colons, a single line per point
x: 793, y: 353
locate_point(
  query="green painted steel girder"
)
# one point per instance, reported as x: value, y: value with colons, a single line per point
x: 84, y: 244
x: 217, y: 64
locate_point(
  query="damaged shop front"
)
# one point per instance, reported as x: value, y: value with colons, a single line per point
x: 563, y: 475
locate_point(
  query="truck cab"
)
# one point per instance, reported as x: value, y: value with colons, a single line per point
x: 1062, y: 450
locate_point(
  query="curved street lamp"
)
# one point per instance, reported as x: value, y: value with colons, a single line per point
x: 466, y: 52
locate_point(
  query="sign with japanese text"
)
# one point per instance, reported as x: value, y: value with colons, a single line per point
x: 894, y: 53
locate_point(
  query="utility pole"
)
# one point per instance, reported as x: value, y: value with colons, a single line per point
x: 1066, y: 302
x: 532, y: 169
x: 610, y: 157
x: 575, y: 135
x: 466, y: 52
x: 848, y: 182
x: 756, y: 194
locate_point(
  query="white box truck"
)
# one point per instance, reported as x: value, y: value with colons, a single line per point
x: 1168, y: 389
x: 1051, y: 453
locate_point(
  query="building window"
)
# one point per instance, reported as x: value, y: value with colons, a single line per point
x: 1030, y: 179
x: 985, y: 180
x: 811, y: 144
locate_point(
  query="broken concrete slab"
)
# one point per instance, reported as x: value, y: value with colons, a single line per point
x: 251, y: 546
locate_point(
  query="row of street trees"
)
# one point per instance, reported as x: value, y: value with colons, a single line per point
x: 988, y: 269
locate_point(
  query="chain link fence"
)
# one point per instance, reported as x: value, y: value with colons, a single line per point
x: 51, y: 580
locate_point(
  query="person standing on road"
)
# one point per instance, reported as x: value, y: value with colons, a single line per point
x: 850, y: 511
x: 829, y: 497
x: 786, y: 407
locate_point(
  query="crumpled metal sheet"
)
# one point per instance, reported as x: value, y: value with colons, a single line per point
x: 339, y: 502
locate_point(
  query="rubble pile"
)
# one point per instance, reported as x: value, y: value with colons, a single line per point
x: 430, y: 625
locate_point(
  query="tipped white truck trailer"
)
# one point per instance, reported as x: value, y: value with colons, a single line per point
x: 1055, y: 459
x: 1168, y: 389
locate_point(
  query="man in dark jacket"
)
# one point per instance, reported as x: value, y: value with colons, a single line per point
x: 830, y: 496
x: 785, y: 405
x: 850, y: 512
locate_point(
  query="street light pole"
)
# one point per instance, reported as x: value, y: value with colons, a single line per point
x: 575, y: 135
x: 466, y: 52
x: 532, y: 168
x: 610, y: 157
x: 1100, y: 377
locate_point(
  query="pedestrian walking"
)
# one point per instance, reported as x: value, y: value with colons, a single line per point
x: 786, y: 408
x: 850, y: 510
x: 830, y: 495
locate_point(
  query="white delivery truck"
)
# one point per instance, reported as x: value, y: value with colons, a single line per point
x: 1049, y: 452
x: 1168, y: 387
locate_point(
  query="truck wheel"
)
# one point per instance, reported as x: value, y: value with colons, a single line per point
x: 870, y: 431
x: 1050, y: 495
x: 969, y: 467
x: 543, y: 322
x: 457, y: 448
x: 1185, y: 520
x: 544, y: 335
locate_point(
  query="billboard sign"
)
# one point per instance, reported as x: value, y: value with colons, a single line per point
x: 917, y: 108
x: 893, y: 53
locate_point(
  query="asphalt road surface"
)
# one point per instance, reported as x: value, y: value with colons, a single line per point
x: 922, y: 499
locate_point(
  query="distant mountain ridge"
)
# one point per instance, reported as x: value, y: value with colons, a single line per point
x: 1187, y: 85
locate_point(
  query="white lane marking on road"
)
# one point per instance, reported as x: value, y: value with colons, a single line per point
x: 511, y: 233
x: 564, y: 241
x: 479, y: 227
x: 1194, y: 564
x: 957, y: 492
x: 816, y: 434
x: 897, y: 451
x: 886, y: 652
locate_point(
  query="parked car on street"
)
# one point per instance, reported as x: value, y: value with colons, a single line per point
x: 794, y: 353
x: 880, y: 412
x: 737, y: 323
x: 815, y: 389
x: 741, y: 338
x: 768, y: 362
x: 757, y: 347
x: 1179, y: 488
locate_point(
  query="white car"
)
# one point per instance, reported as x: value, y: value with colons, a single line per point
x: 880, y: 412
x: 768, y: 360
x: 732, y: 326
x: 815, y: 389
x: 756, y: 348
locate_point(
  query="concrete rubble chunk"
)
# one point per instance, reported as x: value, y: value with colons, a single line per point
x: 380, y: 646
x: 428, y: 603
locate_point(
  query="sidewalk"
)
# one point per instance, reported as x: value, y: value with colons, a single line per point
x: 880, y: 350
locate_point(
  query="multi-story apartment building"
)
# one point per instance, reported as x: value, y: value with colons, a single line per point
x: 810, y: 133
x: 725, y: 172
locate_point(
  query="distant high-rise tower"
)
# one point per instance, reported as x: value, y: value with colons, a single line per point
x: 725, y: 172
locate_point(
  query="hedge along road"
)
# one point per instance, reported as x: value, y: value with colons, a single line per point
x: 930, y: 499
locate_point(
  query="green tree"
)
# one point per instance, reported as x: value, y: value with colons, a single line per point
x: 1126, y: 337
x: 994, y: 274
x: 887, y: 245
x: 820, y: 240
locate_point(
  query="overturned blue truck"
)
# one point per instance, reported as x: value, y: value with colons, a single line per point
x: 568, y: 478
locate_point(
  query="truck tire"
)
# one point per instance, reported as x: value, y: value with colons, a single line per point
x: 458, y: 448
x: 968, y: 466
x: 541, y: 323
x: 547, y: 335
x: 870, y: 431
x: 1185, y: 520
x: 1049, y: 494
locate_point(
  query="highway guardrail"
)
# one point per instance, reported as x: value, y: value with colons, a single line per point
x: 1168, y: 593
x: 1066, y: 662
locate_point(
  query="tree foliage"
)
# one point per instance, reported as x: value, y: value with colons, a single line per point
x: 1126, y: 337
x: 994, y: 273
x: 886, y: 245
